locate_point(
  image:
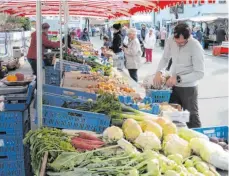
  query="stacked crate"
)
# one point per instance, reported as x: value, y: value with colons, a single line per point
x: 52, y: 76
x: 14, y: 124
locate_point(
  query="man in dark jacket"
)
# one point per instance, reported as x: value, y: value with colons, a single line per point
x: 117, y: 46
x: 220, y: 35
x: 85, y: 35
x: 199, y: 35
x: 70, y: 37
x: 143, y: 36
x: 46, y: 43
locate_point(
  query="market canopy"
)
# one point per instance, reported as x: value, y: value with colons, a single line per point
x: 208, y: 18
x: 96, y: 8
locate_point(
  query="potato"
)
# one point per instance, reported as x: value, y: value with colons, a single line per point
x: 221, y: 140
x: 226, y: 147
x: 222, y: 144
x: 20, y: 76
x: 214, y: 139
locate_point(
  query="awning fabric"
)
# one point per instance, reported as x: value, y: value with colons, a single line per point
x: 96, y: 8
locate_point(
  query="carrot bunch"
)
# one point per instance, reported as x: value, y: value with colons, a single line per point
x: 86, y: 142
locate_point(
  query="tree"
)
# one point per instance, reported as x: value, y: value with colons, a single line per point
x: 19, y: 22
x: 25, y: 23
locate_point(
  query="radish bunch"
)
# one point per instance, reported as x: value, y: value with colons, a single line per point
x: 86, y: 142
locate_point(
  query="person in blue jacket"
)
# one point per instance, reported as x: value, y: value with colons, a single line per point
x: 194, y: 32
x: 85, y: 35
x: 199, y: 35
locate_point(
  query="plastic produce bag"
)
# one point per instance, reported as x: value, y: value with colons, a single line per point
x: 148, y: 83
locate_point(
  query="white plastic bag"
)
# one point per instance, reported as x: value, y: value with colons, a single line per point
x: 126, y: 40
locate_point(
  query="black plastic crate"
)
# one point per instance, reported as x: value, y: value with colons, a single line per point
x: 28, y: 170
x: 27, y: 161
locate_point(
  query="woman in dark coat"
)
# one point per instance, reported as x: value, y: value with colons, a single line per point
x: 85, y: 35
x: 70, y: 37
x: 117, y: 46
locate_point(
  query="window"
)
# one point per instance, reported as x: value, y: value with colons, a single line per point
x: 222, y: 1
x: 178, y: 8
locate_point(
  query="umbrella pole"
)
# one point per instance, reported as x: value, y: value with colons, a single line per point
x: 61, y: 44
x: 66, y: 24
x: 39, y: 62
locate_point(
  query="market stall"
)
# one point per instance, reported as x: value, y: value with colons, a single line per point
x: 98, y: 122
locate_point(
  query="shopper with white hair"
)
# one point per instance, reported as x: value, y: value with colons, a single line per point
x: 149, y: 44
x: 133, y: 54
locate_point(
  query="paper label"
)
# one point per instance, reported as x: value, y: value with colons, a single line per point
x: 2, y: 143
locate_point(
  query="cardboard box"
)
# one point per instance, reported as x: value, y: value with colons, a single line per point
x: 178, y: 116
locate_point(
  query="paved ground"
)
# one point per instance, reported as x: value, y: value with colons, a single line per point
x: 213, y: 89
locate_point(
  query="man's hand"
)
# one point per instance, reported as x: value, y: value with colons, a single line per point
x: 172, y: 81
x: 157, y: 81
x: 124, y: 49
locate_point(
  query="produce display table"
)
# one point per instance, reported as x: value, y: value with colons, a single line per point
x: 113, y: 109
x: 137, y: 87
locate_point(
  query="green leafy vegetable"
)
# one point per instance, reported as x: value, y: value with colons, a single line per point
x: 46, y: 139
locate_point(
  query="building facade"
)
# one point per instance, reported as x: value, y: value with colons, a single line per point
x: 220, y: 8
